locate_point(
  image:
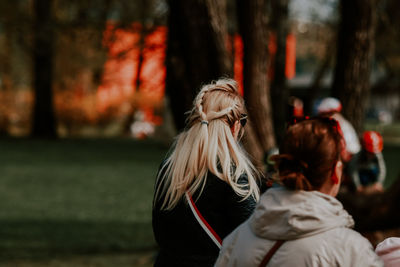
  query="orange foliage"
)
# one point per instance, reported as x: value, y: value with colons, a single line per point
x: 75, y: 107
x: 120, y: 70
x: 15, y: 111
x: 117, y: 96
x: 290, y: 59
x: 81, y: 102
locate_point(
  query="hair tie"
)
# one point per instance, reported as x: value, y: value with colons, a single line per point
x: 291, y: 162
x: 204, y: 122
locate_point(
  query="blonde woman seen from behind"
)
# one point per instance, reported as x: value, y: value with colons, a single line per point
x: 301, y: 223
x: 207, y: 186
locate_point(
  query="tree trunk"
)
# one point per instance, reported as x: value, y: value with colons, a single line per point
x: 196, y: 52
x: 279, y: 88
x: 253, y: 28
x: 352, y: 74
x: 315, y: 88
x: 144, y: 30
x: 43, y: 113
x: 6, y: 79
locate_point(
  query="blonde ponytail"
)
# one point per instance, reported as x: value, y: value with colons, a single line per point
x: 207, y: 144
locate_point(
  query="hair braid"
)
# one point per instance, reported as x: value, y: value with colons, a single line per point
x: 199, y: 105
x: 212, y: 115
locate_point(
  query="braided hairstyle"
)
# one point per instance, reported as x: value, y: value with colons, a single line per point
x: 308, y: 153
x: 208, y: 145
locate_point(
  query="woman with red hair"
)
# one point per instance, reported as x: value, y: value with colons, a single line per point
x: 301, y: 223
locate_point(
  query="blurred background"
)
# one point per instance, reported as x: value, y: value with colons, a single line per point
x: 92, y: 93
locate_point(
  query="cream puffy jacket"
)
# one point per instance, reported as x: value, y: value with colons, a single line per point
x: 315, y: 227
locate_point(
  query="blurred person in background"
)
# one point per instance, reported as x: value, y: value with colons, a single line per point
x: 207, y: 186
x: 370, y: 171
x: 331, y: 107
x: 296, y: 108
x: 301, y: 223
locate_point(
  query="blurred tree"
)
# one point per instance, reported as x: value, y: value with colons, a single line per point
x: 147, y: 23
x: 15, y: 67
x: 5, y: 79
x: 387, y: 49
x: 43, y: 113
x: 144, y: 14
x: 329, y: 19
x: 196, y: 53
x: 315, y: 88
x: 78, y: 71
x: 279, y: 89
x: 253, y: 29
x: 351, y: 82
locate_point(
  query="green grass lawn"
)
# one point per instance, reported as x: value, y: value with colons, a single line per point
x: 69, y: 197
x: 85, y: 202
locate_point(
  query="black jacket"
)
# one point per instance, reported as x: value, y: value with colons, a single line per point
x: 182, y: 241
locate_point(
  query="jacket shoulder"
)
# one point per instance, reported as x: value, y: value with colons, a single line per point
x: 336, y: 247
x: 350, y: 248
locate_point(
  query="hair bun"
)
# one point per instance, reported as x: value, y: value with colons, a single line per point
x: 295, y: 181
x: 289, y: 162
x: 292, y: 172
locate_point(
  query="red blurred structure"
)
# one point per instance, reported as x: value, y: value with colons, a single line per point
x: 120, y: 70
x: 121, y: 67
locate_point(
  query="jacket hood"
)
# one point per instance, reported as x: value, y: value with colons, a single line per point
x: 287, y: 215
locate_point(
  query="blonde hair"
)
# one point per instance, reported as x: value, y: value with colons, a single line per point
x: 207, y: 144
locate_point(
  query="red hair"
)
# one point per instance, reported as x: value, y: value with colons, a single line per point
x: 308, y: 153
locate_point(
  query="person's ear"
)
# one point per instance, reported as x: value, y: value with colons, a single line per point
x: 337, y: 173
